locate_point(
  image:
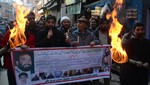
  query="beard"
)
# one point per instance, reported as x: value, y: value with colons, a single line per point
x: 104, y: 29
x: 50, y: 27
x: 24, y: 68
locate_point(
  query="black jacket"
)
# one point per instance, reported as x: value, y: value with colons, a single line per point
x: 57, y: 40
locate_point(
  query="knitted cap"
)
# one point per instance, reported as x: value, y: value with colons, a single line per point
x: 64, y: 18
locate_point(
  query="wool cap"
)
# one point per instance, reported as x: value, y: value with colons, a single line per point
x: 64, y: 18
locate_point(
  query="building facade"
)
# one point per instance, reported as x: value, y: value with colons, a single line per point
x: 6, y: 10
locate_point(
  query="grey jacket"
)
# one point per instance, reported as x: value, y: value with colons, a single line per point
x: 84, y: 39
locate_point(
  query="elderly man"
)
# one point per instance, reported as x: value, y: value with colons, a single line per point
x: 82, y: 36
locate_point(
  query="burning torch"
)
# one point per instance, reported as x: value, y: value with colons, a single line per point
x: 17, y: 36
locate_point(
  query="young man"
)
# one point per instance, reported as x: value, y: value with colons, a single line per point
x: 93, y: 24
x: 50, y: 37
x: 135, y: 71
x: 102, y: 34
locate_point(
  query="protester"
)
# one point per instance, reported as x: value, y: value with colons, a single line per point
x: 82, y: 36
x: 102, y: 33
x: 41, y: 24
x: 135, y: 71
x: 93, y: 24
x: 30, y: 33
x: 31, y: 25
x: 65, y: 27
x: 50, y: 36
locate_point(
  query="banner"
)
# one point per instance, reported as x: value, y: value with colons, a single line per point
x: 49, y: 66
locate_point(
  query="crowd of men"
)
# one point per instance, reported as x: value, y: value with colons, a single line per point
x: 45, y: 33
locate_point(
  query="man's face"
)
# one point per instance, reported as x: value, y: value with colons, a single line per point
x: 25, y: 62
x: 104, y: 26
x: 66, y: 23
x: 50, y: 23
x: 139, y: 31
x: 81, y: 25
x: 41, y: 24
x: 31, y: 19
x: 93, y: 23
x: 23, y: 79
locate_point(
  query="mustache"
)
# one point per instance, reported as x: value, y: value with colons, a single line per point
x: 27, y: 65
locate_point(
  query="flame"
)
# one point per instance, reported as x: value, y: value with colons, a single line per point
x: 118, y: 53
x: 17, y: 36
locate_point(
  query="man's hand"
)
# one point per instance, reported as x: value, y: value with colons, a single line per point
x: 67, y: 40
x: 24, y: 47
x: 49, y: 34
x: 75, y: 43
x: 139, y: 63
x: 146, y: 65
x: 92, y: 43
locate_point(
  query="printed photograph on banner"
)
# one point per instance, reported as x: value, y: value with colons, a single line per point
x: 60, y: 66
x: 23, y: 65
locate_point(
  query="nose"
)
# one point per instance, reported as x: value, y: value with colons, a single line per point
x: 28, y: 62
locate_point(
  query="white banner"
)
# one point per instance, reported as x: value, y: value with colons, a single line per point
x: 61, y: 65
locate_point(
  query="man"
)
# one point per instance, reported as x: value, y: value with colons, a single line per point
x: 24, y: 62
x: 23, y: 78
x: 30, y: 33
x: 102, y: 34
x: 31, y: 25
x: 82, y: 36
x: 51, y: 37
x: 135, y: 71
x: 65, y: 24
x: 93, y: 24
x: 65, y: 27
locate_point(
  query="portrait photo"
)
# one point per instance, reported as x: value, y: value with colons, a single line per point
x: 24, y: 61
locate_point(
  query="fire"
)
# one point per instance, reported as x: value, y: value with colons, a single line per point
x: 118, y: 53
x: 17, y: 35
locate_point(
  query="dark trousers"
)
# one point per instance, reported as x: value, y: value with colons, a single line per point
x: 11, y: 77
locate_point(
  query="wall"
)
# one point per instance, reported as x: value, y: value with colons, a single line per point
x: 146, y: 17
x: 6, y: 10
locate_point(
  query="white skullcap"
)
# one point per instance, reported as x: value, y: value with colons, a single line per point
x: 64, y: 18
